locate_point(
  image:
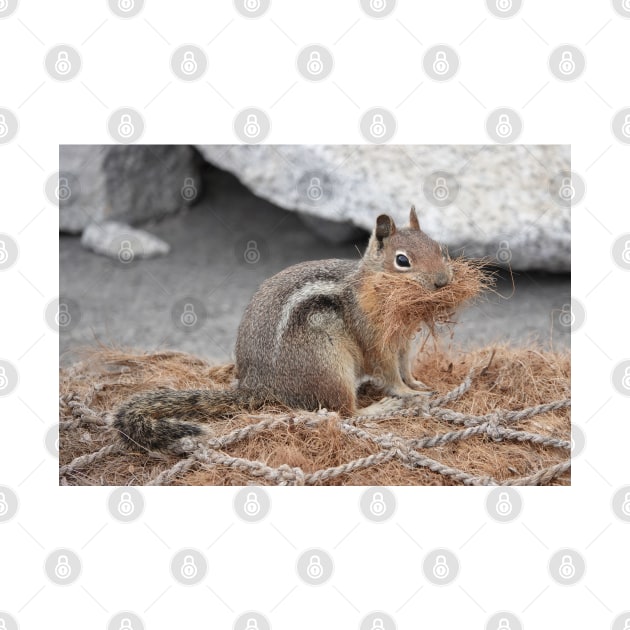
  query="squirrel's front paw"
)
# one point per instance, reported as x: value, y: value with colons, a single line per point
x: 418, y: 386
x: 385, y: 405
x: 406, y: 391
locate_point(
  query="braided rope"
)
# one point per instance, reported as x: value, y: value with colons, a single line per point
x: 207, y: 453
x: 89, y: 458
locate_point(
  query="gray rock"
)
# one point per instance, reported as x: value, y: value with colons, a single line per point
x: 498, y: 202
x: 130, y: 183
x: 121, y: 242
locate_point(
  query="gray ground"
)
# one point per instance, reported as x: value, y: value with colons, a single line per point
x: 141, y: 305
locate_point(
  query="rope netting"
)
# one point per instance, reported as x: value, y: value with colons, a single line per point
x: 498, y: 426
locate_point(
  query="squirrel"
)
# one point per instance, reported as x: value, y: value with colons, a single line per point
x: 308, y: 338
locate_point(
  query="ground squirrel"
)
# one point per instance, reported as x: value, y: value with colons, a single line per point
x: 309, y: 336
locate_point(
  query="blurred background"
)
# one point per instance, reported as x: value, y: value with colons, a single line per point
x: 163, y: 246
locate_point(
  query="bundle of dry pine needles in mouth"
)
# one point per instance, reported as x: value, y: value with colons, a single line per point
x: 404, y: 304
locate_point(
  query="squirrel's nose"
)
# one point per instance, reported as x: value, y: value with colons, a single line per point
x: 440, y: 280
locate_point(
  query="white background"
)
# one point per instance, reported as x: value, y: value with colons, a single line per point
x: 252, y: 63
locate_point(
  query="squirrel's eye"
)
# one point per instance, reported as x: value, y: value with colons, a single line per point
x: 402, y: 261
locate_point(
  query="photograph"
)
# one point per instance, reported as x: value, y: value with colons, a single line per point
x: 315, y: 314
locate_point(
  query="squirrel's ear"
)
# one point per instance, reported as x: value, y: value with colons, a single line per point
x: 384, y: 227
x: 413, y: 219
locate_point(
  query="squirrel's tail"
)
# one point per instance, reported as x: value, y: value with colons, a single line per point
x: 156, y: 420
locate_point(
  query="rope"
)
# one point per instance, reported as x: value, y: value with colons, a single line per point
x: 392, y: 447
